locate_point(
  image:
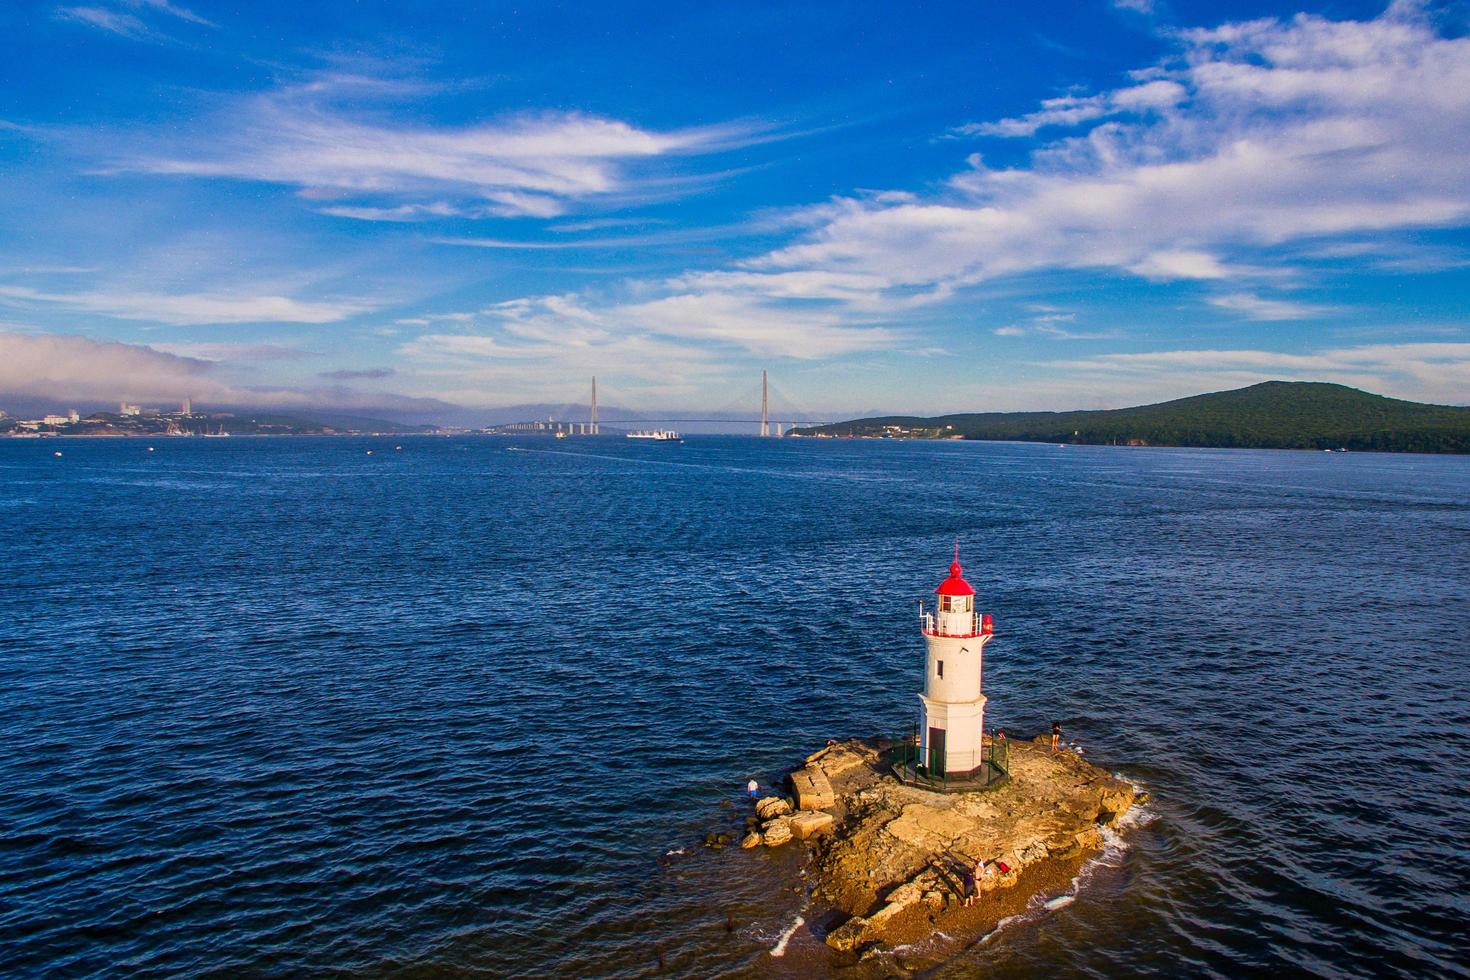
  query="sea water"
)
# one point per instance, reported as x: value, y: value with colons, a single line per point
x: 279, y: 706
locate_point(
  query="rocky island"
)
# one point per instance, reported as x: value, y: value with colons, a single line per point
x: 890, y: 857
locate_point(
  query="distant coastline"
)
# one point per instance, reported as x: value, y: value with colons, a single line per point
x: 1270, y: 415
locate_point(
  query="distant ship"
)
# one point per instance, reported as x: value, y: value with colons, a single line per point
x: 658, y: 435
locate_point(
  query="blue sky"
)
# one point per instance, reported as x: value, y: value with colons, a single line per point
x: 936, y: 208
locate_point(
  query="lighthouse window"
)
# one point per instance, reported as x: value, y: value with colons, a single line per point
x: 941, y: 667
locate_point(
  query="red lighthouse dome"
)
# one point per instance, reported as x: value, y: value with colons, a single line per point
x: 955, y: 584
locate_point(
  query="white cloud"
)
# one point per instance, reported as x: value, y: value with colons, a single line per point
x: 1179, y: 264
x: 1256, y: 308
x: 554, y: 329
x: 329, y: 138
x: 1010, y: 331
x: 1287, y: 132
x: 185, y: 309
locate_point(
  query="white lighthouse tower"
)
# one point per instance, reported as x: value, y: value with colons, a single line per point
x: 952, y: 720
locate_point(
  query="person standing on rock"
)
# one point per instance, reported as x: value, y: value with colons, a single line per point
x: 972, y: 883
x: 1056, y: 735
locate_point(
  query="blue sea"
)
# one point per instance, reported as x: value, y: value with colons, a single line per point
x: 282, y: 707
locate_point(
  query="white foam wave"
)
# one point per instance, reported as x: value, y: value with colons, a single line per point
x: 780, y: 948
x: 998, y: 927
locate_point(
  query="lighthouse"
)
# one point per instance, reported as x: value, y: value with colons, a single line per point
x: 952, y: 719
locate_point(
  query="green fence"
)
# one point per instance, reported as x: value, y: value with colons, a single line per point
x: 912, y: 768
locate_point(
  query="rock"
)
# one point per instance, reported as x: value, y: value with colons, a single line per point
x: 1117, y: 798
x: 813, y: 789
x: 851, y: 935
x: 772, y: 807
x: 927, y: 827
x: 776, y: 832
x: 935, y: 900
x: 810, y: 823
x: 901, y: 899
x: 837, y: 759
x: 752, y: 839
x: 722, y: 839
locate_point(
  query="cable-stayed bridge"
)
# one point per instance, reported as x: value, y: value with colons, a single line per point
x: 585, y: 419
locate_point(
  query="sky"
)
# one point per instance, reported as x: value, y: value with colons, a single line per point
x: 892, y: 208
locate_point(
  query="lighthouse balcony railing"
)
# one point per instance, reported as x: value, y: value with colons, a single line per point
x: 954, y: 624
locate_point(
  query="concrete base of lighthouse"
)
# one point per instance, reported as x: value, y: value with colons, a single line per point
x: 953, y: 731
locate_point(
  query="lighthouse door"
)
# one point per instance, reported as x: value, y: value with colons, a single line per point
x: 936, y: 751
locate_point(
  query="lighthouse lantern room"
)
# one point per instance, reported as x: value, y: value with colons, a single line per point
x: 952, y: 719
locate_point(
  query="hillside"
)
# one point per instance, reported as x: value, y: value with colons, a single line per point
x: 1270, y: 415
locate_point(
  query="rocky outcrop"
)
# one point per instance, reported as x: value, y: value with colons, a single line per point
x: 890, y: 859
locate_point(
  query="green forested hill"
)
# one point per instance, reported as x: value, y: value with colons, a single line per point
x: 1271, y: 415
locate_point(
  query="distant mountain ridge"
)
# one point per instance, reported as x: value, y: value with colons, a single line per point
x: 1269, y: 415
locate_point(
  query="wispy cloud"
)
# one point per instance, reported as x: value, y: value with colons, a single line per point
x: 548, y: 326
x: 129, y: 25
x: 331, y: 138
x: 1053, y: 325
x: 112, y: 21
x: 186, y: 309
x: 1256, y: 308
x: 1070, y: 110
x: 172, y: 9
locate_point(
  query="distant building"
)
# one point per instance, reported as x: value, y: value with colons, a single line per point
x: 185, y: 408
x: 124, y: 408
x: 57, y: 419
x: 73, y: 416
